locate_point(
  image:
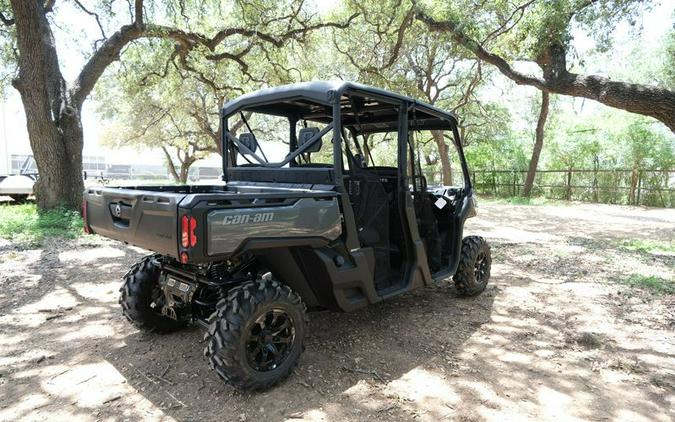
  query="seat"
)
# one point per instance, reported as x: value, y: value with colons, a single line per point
x: 248, y: 140
x: 305, y: 135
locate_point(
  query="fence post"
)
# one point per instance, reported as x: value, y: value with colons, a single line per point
x: 568, y: 191
x: 494, y: 183
x: 639, y: 187
x: 595, y: 180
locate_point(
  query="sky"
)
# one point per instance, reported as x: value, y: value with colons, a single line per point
x: 14, y: 137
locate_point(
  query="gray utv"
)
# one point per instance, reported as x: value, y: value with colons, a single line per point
x: 305, y: 220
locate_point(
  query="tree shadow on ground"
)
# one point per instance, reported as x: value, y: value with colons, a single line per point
x: 77, y: 335
x: 520, y: 350
x: 374, y: 346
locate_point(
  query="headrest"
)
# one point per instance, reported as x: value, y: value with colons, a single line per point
x: 305, y: 135
x: 249, y: 141
x: 359, y: 161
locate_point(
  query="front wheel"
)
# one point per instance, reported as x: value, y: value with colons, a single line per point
x: 256, y: 334
x: 473, y: 272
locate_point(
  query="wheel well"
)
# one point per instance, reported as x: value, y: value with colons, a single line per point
x: 292, y: 267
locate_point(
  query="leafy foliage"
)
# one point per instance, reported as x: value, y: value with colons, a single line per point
x: 165, y: 92
x: 168, y: 99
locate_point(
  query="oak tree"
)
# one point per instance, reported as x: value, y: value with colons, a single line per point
x: 53, y: 106
x: 541, y: 32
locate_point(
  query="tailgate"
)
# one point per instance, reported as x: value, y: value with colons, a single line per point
x: 146, y: 219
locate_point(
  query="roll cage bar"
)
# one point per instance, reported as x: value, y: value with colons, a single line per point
x: 334, y: 104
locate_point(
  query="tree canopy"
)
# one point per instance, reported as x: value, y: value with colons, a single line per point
x: 541, y: 32
x: 160, y: 70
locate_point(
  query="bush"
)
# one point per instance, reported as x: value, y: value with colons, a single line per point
x: 26, y: 226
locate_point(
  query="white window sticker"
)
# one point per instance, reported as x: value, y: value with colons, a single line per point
x: 440, y: 203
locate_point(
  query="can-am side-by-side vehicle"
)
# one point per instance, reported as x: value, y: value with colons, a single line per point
x: 306, y: 220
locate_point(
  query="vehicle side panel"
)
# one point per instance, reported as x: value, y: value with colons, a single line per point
x: 228, y: 229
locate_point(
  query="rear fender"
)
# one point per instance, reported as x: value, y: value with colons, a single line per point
x: 323, y: 276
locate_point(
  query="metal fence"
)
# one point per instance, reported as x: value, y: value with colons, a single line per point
x: 611, y: 186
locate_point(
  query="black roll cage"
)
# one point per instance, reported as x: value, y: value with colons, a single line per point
x: 331, y: 95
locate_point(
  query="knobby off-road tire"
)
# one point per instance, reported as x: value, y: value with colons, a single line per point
x: 19, y: 199
x: 473, y: 272
x: 140, y: 289
x: 244, y: 326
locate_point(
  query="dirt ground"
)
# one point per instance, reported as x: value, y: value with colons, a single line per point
x: 556, y: 336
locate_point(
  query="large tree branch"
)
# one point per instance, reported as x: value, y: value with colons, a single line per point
x: 655, y: 102
x: 275, y: 40
x: 101, y: 59
x: 138, y: 12
x: 111, y: 48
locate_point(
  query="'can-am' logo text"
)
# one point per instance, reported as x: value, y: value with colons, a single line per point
x: 262, y: 217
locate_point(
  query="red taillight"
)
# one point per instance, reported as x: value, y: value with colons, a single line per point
x: 193, y: 236
x: 184, y: 258
x: 184, y: 223
x: 84, y: 217
x: 188, y: 225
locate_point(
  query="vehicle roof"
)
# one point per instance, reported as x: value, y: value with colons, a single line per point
x: 320, y: 92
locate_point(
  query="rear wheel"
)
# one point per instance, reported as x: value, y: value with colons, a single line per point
x: 256, y: 334
x: 473, y: 272
x: 142, y: 299
x: 19, y: 199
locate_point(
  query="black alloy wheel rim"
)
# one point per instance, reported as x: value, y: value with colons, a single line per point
x: 270, y: 340
x: 481, y: 268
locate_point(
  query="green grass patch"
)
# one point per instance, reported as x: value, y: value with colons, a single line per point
x: 26, y: 226
x: 651, y: 283
x: 648, y: 246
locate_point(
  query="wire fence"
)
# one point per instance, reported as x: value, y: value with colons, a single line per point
x: 650, y: 187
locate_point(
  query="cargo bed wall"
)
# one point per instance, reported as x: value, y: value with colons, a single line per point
x: 145, y: 219
x: 229, y: 229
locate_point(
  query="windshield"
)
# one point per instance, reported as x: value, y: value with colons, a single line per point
x: 267, y: 140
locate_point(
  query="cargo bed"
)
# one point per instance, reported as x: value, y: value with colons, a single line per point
x: 227, y: 216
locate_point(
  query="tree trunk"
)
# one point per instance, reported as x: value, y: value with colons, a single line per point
x: 53, y: 122
x: 180, y: 176
x: 53, y: 109
x: 170, y: 165
x: 633, y: 185
x: 184, y: 172
x: 443, y: 151
x: 538, y: 144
